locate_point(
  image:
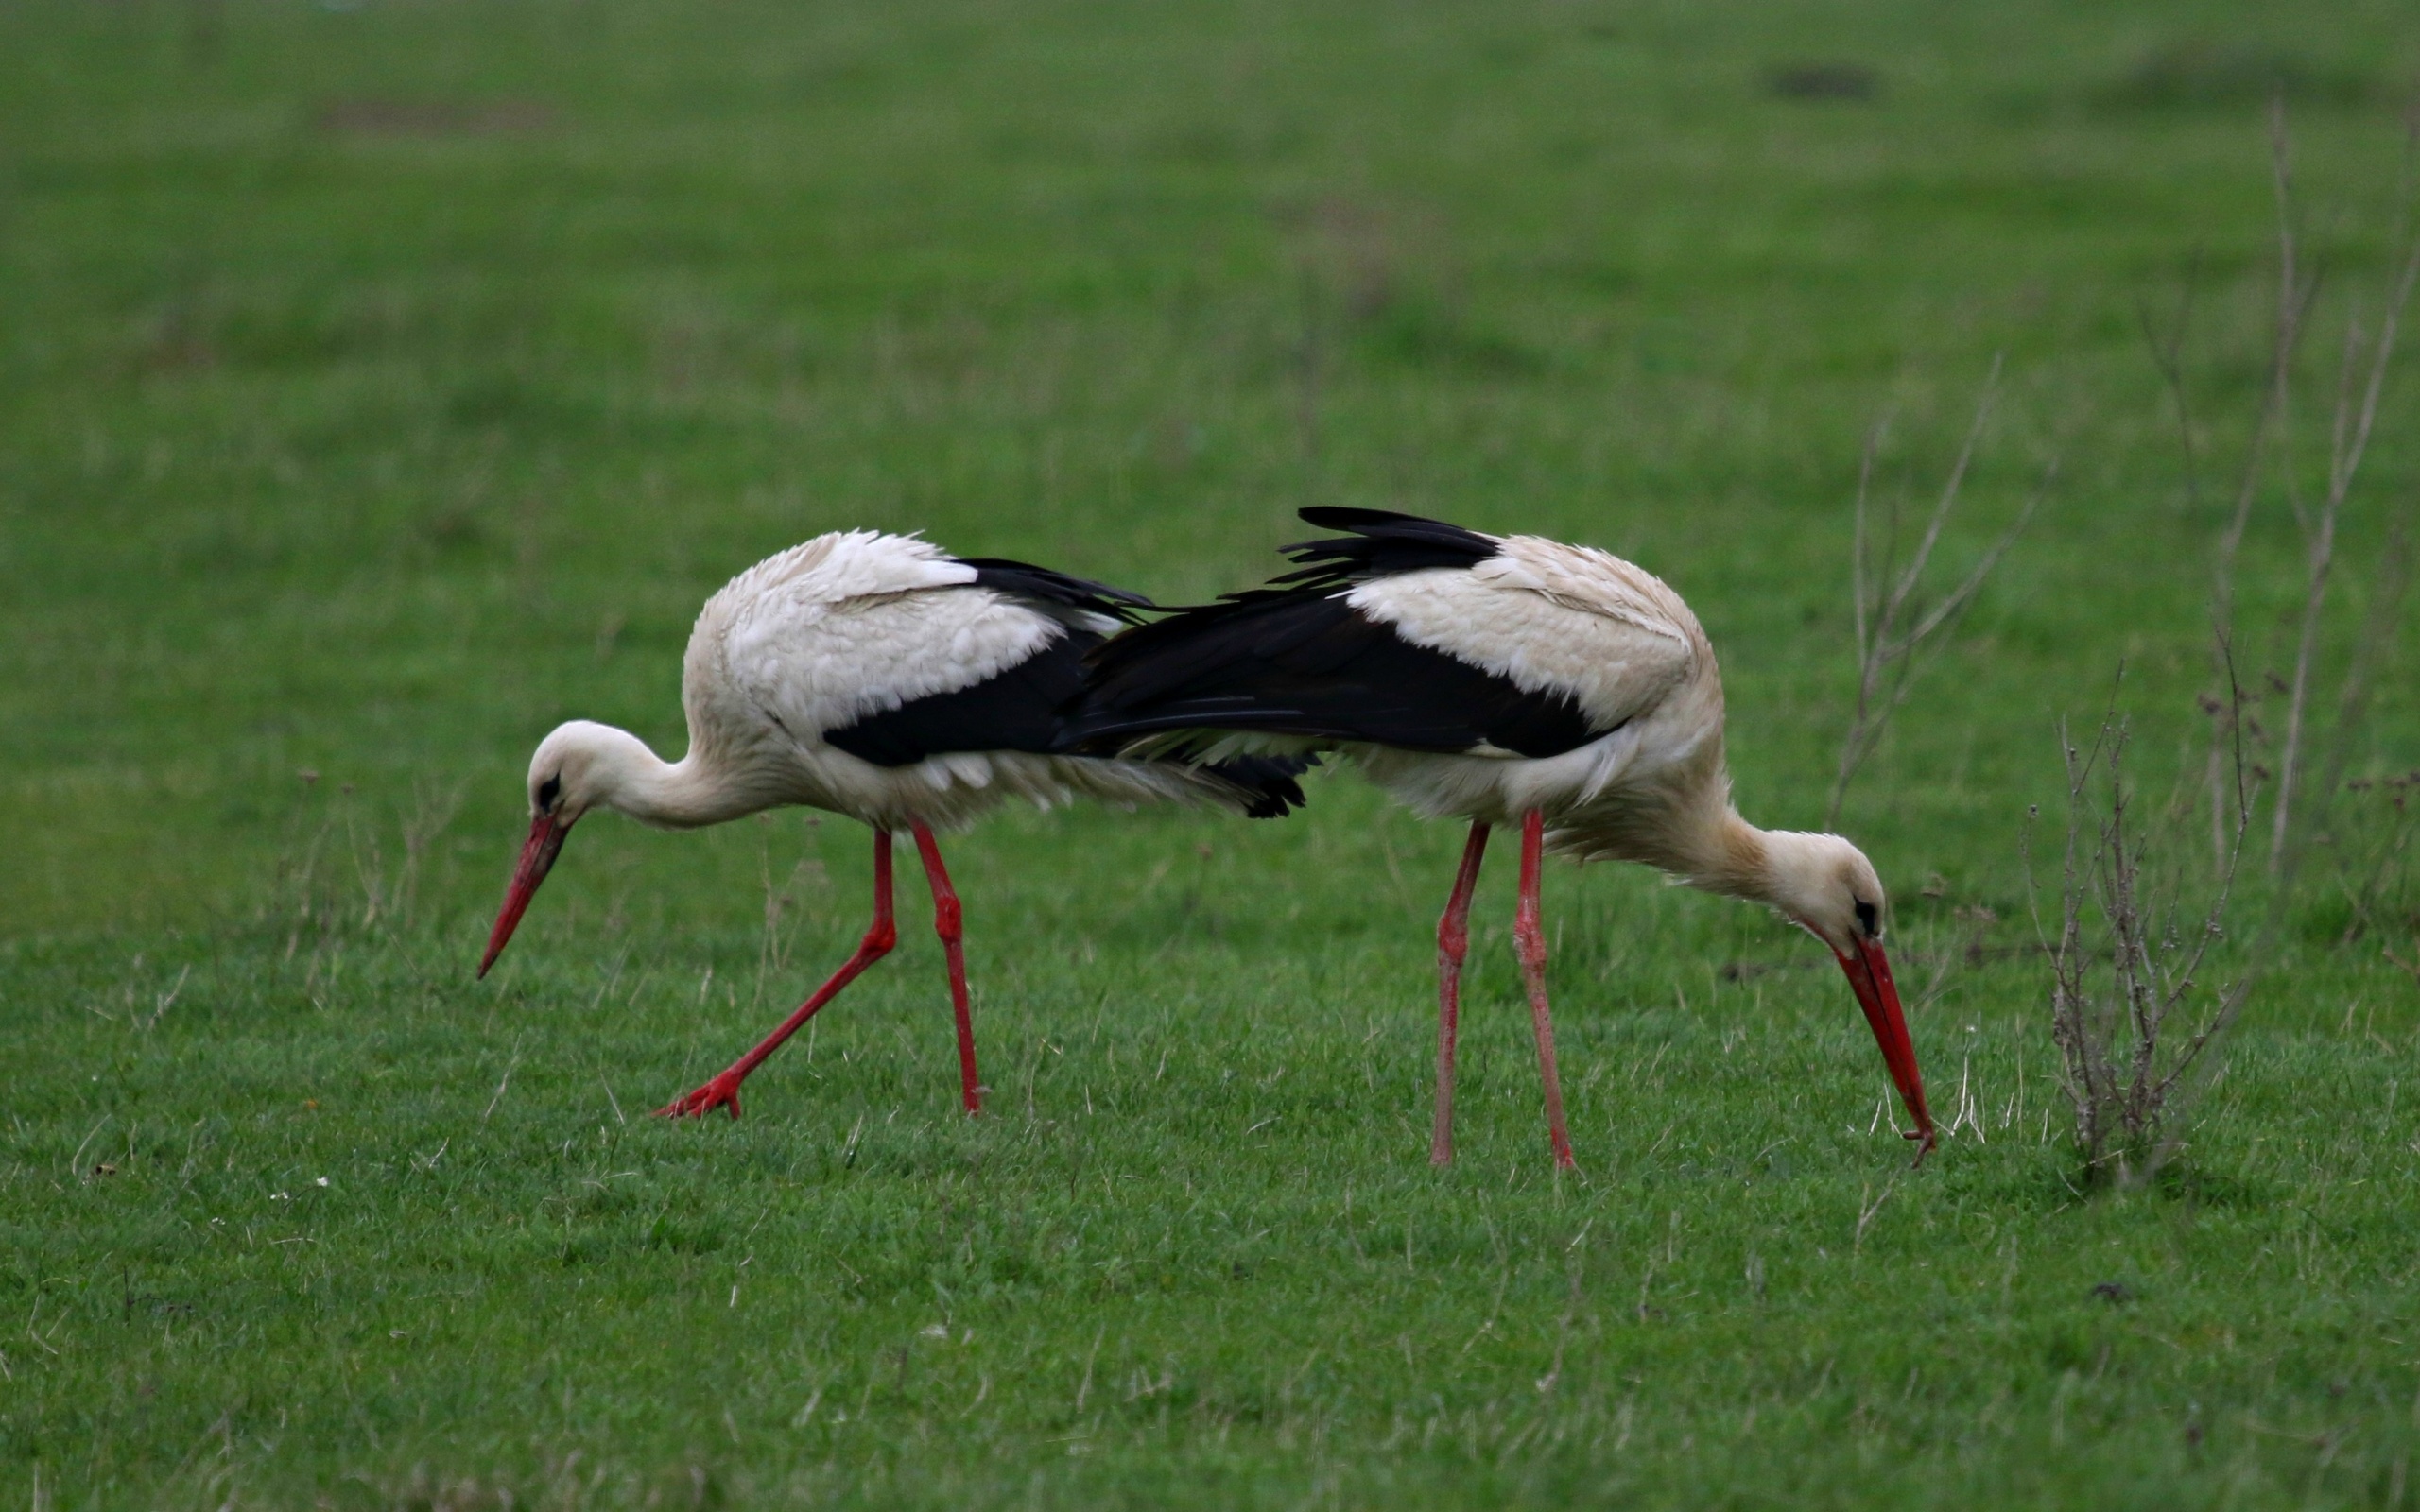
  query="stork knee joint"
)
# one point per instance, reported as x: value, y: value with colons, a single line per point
x: 1531, y: 941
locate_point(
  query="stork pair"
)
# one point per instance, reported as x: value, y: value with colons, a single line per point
x: 1502, y: 680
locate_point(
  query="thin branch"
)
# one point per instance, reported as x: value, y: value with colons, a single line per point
x: 2376, y: 642
x: 2350, y: 444
x: 1892, y: 625
x: 2294, y: 296
x: 1959, y: 598
x: 2168, y: 358
x: 1857, y: 558
x: 1983, y: 408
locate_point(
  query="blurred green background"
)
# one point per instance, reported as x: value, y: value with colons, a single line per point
x: 382, y: 383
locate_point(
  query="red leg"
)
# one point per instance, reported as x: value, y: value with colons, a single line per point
x: 949, y: 923
x: 723, y: 1091
x: 1453, y: 943
x: 1529, y: 936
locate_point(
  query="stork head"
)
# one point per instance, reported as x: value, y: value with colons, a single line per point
x: 1826, y: 885
x: 575, y: 767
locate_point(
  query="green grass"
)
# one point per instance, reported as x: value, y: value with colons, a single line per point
x: 380, y: 384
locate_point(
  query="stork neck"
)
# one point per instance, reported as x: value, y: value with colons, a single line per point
x: 1728, y: 855
x: 696, y: 790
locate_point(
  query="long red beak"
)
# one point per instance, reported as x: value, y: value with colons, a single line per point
x: 1868, y: 973
x: 538, y: 855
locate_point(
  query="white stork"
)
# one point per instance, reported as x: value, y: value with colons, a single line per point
x: 873, y: 676
x: 1501, y: 680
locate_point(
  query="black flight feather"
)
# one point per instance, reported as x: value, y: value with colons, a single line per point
x: 1041, y: 585
x: 1023, y: 707
x: 1381, y: 544
x: 1296, y: 659
x: 1015, y: 709
x: 1269, y: 780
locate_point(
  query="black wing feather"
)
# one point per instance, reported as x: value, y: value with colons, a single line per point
x: 1381, y: 544
x: 1305, y: 662
x: 1021, y: 579
x: 1023, y: 707
x: 1269, y: 780
x: 1296, y: 659
x: 1016, y: 708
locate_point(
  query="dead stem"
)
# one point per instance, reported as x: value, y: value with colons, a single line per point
x: 1893, y: 623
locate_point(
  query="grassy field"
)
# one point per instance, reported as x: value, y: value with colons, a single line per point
x: 383, y: 383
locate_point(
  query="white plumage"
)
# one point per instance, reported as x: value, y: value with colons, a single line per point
x: 843, y: 627
x: 877, y: 676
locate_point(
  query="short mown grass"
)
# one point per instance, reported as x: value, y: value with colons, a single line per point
x: 381, y: 383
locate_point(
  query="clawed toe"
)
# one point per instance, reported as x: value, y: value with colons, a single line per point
x: 713, y: 1095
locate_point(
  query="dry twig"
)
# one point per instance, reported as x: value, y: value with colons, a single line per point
x: 2348, y: 442
x: 1893, y: 623
x: 2294, y: 295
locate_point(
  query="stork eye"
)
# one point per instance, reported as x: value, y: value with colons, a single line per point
x: 550, y: 790
x: 1869, y: 918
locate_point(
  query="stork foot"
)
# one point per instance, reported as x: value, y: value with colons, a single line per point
x: 723, y: 1091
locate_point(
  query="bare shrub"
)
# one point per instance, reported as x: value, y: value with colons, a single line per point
x: 2130, y: 1010
x: 1899, y: 628
x: 2310, y: 768
x: 2132, y: 1013
x: 2348, y: 442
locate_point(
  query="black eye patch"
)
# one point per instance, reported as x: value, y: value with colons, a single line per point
x: 552, y: 789
x: 1869, y: 918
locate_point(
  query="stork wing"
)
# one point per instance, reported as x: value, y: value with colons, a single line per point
x: 1519, y: 653
x: 1570, y: 620
x: 887, y: 646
